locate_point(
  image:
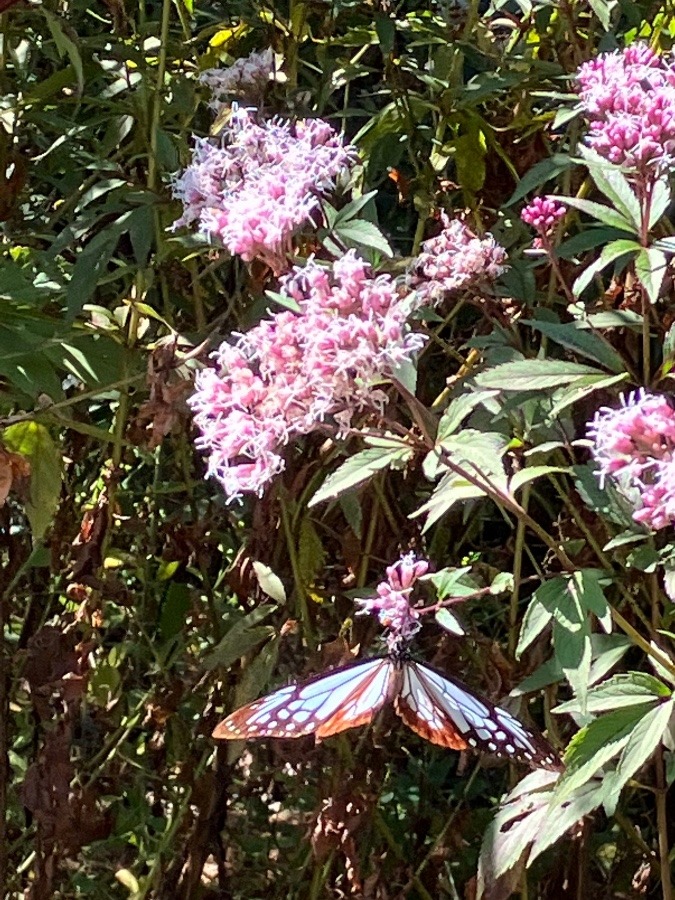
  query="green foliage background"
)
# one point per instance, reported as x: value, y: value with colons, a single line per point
x: 132, y: 610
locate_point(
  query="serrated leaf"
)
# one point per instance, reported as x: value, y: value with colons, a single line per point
x: 269, y: 583
x: 596, y: 744
x: 611, y: 181
x: 521, y: 818
x: 533, y: 375
x: 643, y: 741
x: 602, y: 213
x: 650, y: 268
x: 33, y: 441
x: 618, y: 692
x: 361, y: 467
x: 459, y: 409
x: 573, y: 393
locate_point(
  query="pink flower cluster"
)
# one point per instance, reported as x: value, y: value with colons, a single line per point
x: 265, y: 181
x: 542, y: 214
x: 455, y: 259
x: 286, y: 375
x: 629, y: 98
x: 392, y: 603
x: 246, y: 78
x: 636, y: 444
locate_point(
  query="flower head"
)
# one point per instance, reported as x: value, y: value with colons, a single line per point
x: 284, y: 377
x: 629, y: 99
x: 266, y: 181
x: 245, y: 79
x: 636, y: 445
x: 454, y: 260
x: 392, y: 603
x: 542, y: 214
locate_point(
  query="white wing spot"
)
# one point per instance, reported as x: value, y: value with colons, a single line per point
x: 510, y: 748
x: 501, y: 735
x: 302, y: 716
x: 472, y: 742
x: 483, y: 734
x: 284, y: 714
x: 492, y: 746
x: 290, y: 726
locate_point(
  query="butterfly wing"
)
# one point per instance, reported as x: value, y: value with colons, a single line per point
x: 324, y: 705
x: 446, y: 712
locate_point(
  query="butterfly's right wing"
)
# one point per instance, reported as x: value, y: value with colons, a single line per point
x: 324, y: 705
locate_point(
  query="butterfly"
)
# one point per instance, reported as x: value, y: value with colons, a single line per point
x: 439, y: 708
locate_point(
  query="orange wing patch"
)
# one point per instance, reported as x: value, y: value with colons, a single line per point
x: 444, y: 733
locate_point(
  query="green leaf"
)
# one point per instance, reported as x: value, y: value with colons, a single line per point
x: 269, y: 583
x: 359, y: 233
x: 590, y: 584
x: 65, y: 46
x: 572, y: 641
x: 573, y: 393
x: 605, y: 500
x: 530, y: 473
x: 609, y: 254
x: 644, y: 740
x: 596, y: 744
x: 533, y: 375
x: 660, y: 201
x: 611, y: 181
x: 458, y: 409
x: 618, y: 692
x: 602, y: 213
x: 174, y: 610
x: 575, y: 337
x: 243, y: 636
x: 540, y: 611
x: 603, y: 10
x: 449, y: 622
x: 650, y: 268
x: 32, y: 440
x: 539, y: 174
x: 311, y: 552
x: 389, y: 453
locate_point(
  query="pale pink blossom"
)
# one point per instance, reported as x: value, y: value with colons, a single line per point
x: 263, y: 183
x: 292, y: 371
x: 392, y: 604
x: 246, y: 79
x: 629, y: 98
x: 635, y: 444
x: 454, y: 260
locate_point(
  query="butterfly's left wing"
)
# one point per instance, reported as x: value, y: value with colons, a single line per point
x: 446, y: 712
x: 324, y: 705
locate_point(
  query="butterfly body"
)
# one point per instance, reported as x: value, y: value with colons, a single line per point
x: 438, y: 708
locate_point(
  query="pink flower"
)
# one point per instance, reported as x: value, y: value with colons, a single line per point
x: 265, y: 181
x: 245, y: 78
x: 629, y: 99
x: 636, y: 445
x: 291, y: 372
x: 542, y: 214
x: 454, y: 260
x: 392, y: 603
